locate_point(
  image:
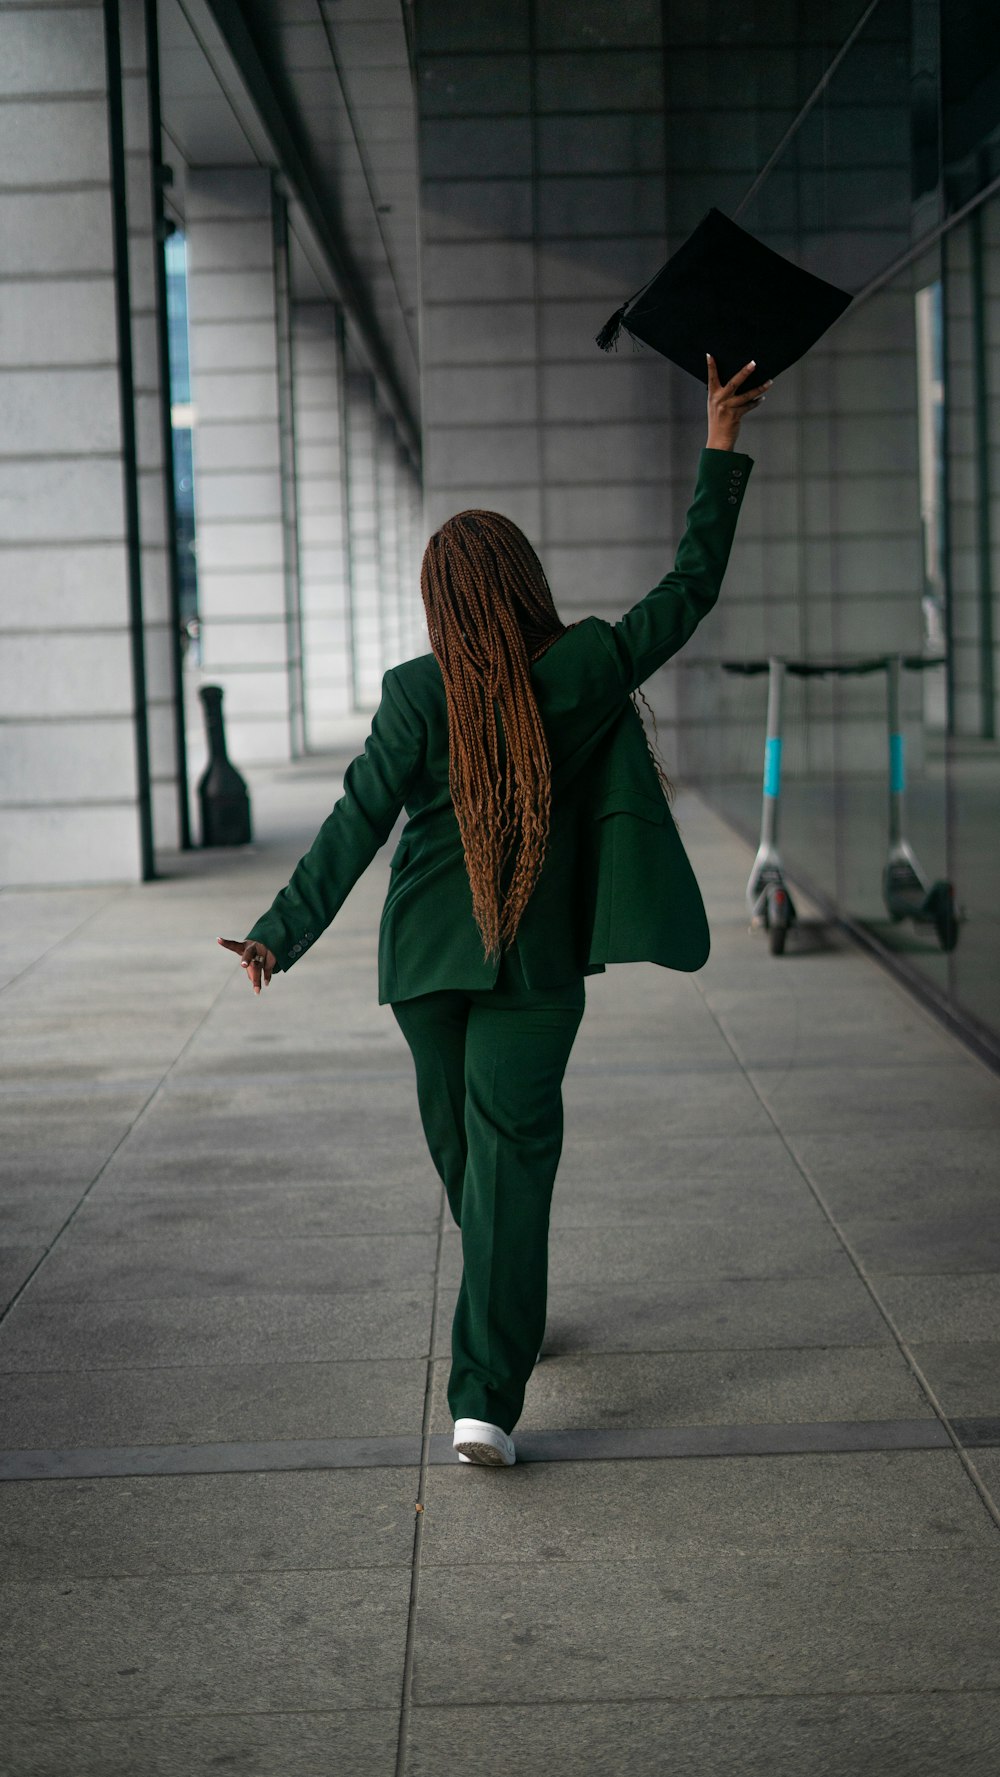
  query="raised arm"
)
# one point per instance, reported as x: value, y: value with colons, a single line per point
x: 663, y: 621
x: 375, y: 787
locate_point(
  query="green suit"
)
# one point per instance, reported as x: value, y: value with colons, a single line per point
x: 491, y: 1039
x: 616, y: 885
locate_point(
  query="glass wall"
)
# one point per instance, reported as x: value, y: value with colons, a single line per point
x: 877, y: 507
x: 182, y: 427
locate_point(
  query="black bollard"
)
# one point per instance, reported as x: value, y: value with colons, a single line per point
x: 222, y: 792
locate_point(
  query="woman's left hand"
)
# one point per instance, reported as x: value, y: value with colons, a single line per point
x: 258, y: 961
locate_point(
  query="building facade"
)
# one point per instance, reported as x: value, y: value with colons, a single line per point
x: 284, y: 282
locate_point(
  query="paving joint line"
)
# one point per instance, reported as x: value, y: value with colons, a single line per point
x: 406, y: 1688
x: 419, y: 1451
x: 116, y: 895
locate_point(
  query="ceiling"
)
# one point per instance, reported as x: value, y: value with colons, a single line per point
x: 321, y: 89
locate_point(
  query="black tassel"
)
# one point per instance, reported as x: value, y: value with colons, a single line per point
x: 608, y: 336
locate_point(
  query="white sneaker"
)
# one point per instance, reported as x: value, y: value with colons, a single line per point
x: 478, y: 1441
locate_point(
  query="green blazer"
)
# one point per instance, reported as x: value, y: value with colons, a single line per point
x: 616, y: 885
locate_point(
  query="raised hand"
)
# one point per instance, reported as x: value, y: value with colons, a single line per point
x: 258, y: 961
x: 727, y: 403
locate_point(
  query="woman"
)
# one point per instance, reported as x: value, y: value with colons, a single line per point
x: 538, y: 848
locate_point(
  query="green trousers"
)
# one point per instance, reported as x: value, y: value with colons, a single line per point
x: 490, y: 1066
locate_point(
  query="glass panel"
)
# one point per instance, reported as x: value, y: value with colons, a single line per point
x: 182, y: 426
x: 973, y: 434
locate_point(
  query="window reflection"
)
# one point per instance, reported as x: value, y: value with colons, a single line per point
x: 182, y: 417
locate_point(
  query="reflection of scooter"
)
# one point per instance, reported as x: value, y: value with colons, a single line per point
x: 768, y: 900
x: 908, y: 893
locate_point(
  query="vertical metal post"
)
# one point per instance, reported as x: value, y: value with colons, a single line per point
x: 772, y: 751
x: 897, y: 751
x: 130, y: 465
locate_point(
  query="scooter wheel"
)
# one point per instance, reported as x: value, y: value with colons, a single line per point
x: 777, y: 920
x: 942, y: 909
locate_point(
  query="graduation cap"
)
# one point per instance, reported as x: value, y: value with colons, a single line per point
x: 724, y: 292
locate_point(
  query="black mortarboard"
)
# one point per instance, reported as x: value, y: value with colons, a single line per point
x: 724, y: 292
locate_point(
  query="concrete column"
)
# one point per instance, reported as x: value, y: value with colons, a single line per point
x: 247, y: 576
x: 362, y: 488
x: 74, y: 794
x: 153, y: 467
x: 289, y: 503
x: 324, y: 553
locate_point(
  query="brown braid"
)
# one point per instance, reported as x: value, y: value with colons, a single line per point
x: 489, y: 615
x: 652, y: 745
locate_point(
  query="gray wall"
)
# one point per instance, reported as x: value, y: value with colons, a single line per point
x: 70, y: 789
x: 565, y: 150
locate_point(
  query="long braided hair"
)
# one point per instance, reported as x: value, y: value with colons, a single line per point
x: 489, y: 616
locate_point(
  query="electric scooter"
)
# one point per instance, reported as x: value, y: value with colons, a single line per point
x: 906, y: 889
x: 769, y: 900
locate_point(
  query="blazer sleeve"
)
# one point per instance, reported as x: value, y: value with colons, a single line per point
x: 668, y: 616
x: 376, y: 784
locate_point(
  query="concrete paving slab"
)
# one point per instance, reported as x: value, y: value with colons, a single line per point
x: 879, y: 1098
x: 919, y: 1172
x: 216, y: 1330
x: 707, y: 1313
x: 342, y: 1124
x: 593, y: 1201
x: 901, y: 1736
x: 806, y: 1621
x: 260, y: 1523
x: 883, y: 1034
x: 16, y: 1265
x: 965, y: 1378
x: 200, y: 1644
x: 987, y: 1463
x: 257, y: 1211
x: 650, y: 1108
x: 211, y: 1403
x: 670, y: 1037
x: 32, y: 1213
x: 951, y: 1240
x: 709, y: 1388
x: 23, y: 1165
x: 71, y: 1119
x: 378, y: 1164
x: 352, y: 1742
x: 664, y: 1512
x: 598, y: 1257
x: 943, y: 1309
x: 35, y: 920
x: 676, y: 1163
x: 752, y: 1242
x: 82, y: 1269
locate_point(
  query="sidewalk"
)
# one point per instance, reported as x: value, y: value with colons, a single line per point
x: 756, y: 1524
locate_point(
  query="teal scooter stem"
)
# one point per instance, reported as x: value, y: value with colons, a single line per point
x: 768, y: 900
